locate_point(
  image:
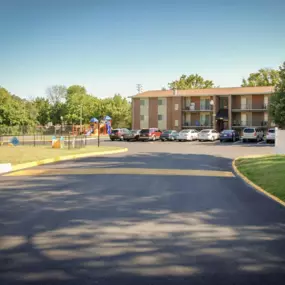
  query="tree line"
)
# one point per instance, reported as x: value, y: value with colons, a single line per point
x: 62, y: 105
x: 70, y: 105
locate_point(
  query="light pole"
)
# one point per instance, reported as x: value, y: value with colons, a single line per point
x: 213, y: 118
x: 61, y: 119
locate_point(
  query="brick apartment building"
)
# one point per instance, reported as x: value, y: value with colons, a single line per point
x: 219, y: 108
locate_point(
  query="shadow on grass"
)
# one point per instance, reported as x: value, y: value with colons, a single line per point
x: 139, y: 229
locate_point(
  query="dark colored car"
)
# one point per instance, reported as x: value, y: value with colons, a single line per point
x: 133, y: 135
x: 118, y: 134
x: 229, y: 135
x: 169, y: 135
x: 149, y: 134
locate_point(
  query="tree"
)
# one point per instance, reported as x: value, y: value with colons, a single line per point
x: 44, y: 110
x: 264, y: 77
x: 277, y: 102
x: 56, y: 94
x: 193, y: 81
x: 78, y: 100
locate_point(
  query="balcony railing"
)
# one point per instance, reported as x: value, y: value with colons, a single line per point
x: 197, y: 124
x: 198, y: 108
x: 250, y: 106
x: 249, y: 123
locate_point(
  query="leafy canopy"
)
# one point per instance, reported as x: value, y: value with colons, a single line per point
x: 193, y: 81
x: 277, y: 102
x: 264, y: 77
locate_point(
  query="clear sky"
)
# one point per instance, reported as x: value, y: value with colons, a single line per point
x: 111, y: 45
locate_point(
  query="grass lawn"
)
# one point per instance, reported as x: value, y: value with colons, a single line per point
x: 21, y: 154
x: 267, y: 172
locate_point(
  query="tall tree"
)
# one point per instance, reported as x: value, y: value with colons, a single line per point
x: 56, y: 94
x: 277, y: 102
x: 44, y: 110
x: 264, y: 77
x: 193, y: 81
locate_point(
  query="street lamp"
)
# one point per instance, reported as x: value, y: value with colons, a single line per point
x: 213, y: 119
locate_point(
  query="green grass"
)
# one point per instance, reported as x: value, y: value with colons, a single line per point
x: 22, y: 154
x: 267, y: 172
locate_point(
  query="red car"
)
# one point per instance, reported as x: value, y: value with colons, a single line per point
x: 150, y: 134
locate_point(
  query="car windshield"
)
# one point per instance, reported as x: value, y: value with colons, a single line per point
x: 115, y: 131
x: 167, y: 132
x: 272, y: 131
x: 249, y: 131
x: 145, y: 131
x: 227, y: 132
x: 185, y: 132
x: 205, y: 131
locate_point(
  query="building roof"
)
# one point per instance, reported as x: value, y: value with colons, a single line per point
x: 208, y: 92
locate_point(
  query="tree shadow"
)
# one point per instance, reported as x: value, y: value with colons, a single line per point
x: 143, y: 229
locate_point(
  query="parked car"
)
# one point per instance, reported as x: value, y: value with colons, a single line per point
x: 187, y: 135
x: 229, y: 135
x: 252, y: 134
x: 133, y: 135
x: 169, y: 135
x: 149, y: 134
x: 118, y: 134
x: 270, y: 137
x: 208, y: 135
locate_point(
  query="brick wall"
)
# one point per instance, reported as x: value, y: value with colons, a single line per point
x: 136, y: 113
x: 257, y: 101
x: 169, y: 112
x: 196, y: 100
x: 236, y: 101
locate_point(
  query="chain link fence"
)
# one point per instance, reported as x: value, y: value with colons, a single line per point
x: 73, y: 136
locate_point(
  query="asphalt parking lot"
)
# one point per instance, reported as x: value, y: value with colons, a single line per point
x: 224, y: 149
x: 162, y: 213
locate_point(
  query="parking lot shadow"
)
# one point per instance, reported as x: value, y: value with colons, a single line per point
x: 139, y: 229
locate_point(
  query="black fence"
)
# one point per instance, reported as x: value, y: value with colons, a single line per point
x: 68, y: 141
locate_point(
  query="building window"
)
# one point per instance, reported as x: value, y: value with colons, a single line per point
x: 176, y: 123
x: 176, y: 107
x: 160, y: 102
x: 160, y: 117
x: 142, y: 102
x: 142, y: 117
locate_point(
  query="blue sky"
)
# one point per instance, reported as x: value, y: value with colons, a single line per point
x: 111, y: 45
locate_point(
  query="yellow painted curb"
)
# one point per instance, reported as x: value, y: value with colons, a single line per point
x: 63, y: 158
x: 256, y: 187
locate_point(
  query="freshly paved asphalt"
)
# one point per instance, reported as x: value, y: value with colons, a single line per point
x: 139, y: 228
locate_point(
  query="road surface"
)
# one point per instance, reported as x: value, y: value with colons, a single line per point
x: 160, y: 214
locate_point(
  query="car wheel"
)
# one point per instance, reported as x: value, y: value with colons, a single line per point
x: 112, y: 140
x: 221, y: 141
x: 179, y: 140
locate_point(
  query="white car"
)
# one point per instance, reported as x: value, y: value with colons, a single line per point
x: 252, y: 134
x: 187, y: 135
x: 270, y: 137
x: 208, y: 135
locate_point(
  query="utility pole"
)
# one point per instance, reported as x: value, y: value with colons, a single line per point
x: 139, y: 88
x: 81, y: 119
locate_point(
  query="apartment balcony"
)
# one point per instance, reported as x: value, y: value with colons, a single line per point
x: 205, y: 108
x: 243, y: 124
x: 197, y: 125
x: 250, y: 107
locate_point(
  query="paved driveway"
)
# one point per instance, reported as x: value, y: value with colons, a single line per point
x: 163, y: 213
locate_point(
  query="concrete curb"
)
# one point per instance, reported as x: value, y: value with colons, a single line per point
x: 5, y: 167
x: 63, y: 158
x: 256, y: 187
